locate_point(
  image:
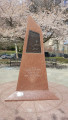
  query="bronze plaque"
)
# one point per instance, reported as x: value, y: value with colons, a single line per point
x: 33, y: 44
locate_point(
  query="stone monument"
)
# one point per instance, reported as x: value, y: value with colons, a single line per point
x: 32, y: 82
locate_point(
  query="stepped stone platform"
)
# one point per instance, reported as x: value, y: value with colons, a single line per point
x: 34, y: 110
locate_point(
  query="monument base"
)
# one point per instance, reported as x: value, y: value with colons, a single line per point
x: 32, y: 95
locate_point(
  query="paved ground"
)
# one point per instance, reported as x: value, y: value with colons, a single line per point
x: 59, y: 76
x: 34, y: 110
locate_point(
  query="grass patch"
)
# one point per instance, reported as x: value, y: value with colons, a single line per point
x: 58, y: 59
x: 7, y: 52
x: 62, y: 60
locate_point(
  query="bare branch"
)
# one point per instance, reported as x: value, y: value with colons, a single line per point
x: 2, y: 9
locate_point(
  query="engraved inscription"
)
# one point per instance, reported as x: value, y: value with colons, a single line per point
x: 32, y: 73
x: 33, y: 44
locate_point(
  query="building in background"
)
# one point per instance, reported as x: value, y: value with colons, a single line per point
x: 56, y: 46
x: 66, y: 46
x: 65, y: 2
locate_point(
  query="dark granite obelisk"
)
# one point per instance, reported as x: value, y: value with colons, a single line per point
x: 32, y: 82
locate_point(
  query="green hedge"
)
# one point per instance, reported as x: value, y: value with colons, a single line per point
x: 12, y: 47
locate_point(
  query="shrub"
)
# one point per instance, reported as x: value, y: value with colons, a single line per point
x: 20, y: 48
x: 12, y: 47
x: 0, y: 47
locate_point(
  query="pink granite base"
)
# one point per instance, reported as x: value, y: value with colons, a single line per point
x: 34, y: 110
x: 32, y: 95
